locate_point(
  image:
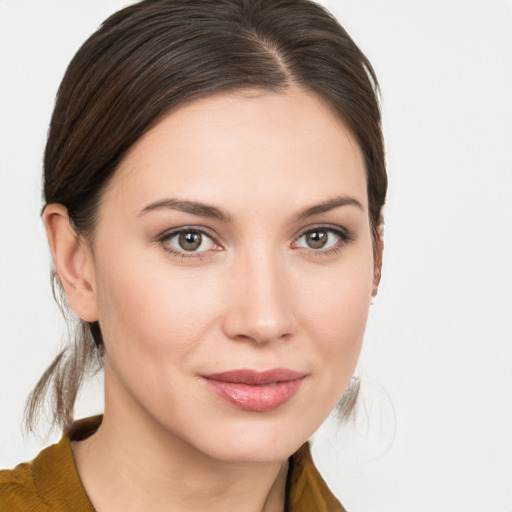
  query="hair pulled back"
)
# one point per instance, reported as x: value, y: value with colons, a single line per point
x: 153, y: 56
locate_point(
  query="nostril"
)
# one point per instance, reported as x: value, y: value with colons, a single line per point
x: 250, y: 326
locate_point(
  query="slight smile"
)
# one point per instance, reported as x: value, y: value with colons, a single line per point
x: 251, y: 390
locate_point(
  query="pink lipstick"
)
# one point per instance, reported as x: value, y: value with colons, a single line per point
x: 251, y: 390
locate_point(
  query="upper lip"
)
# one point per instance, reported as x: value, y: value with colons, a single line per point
x: 255, y: 377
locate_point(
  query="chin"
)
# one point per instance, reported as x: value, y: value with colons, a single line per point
x: 260, y: 441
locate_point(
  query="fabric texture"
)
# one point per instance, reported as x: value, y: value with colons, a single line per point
x: 50, y: 483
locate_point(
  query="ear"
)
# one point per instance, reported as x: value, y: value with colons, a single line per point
x: 73, y: 261
x: 377, y: 264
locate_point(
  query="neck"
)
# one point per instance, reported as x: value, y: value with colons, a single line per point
x: 148, y: 469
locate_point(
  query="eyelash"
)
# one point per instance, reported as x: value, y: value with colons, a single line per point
x: 344, y: 236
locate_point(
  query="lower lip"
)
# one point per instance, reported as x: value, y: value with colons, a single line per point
x: 258, y: 398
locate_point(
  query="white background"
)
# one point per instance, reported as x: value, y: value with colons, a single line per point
x: 438, y: 354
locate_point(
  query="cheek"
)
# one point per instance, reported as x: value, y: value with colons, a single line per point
x: 340, y: 324
x: 153, y: 307
x: 337, y: 316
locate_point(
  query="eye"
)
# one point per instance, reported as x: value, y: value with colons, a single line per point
x: 322, y: 239
x: 188, y: 241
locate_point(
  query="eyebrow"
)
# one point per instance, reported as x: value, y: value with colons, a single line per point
x: 192, y: 207
x: 328, y: 205
x: 212, y: 212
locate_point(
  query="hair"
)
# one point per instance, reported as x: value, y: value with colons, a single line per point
x: 151, y: 57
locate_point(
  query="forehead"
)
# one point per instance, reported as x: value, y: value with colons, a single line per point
x: 246, y: 144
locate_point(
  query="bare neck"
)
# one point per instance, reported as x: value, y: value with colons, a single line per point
x: 126, y: 469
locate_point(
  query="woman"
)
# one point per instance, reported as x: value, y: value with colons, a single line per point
x: 214, y: 180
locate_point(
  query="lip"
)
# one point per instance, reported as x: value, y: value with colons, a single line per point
x: 252, y: 390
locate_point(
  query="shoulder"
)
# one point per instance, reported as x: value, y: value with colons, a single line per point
x: 49, y: 483
x: 18, y: 490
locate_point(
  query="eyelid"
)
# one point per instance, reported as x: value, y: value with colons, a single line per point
x: 336, y: 228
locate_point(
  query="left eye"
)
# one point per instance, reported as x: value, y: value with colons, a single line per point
x: 320, y: 238
x: 190, y: 240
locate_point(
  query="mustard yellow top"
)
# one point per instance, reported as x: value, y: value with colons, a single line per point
x: 50, y: 483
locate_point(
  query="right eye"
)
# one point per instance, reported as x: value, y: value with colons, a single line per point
x: 188, y: 240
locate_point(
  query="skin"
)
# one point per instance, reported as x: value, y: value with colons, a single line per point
x: 255, y: 295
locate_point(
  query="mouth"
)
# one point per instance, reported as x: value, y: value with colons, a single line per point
x: 251, y: 390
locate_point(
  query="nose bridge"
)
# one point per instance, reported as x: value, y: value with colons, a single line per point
x: 260, y: 307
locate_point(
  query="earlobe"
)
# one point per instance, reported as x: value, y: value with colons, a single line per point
x: 73, y: 262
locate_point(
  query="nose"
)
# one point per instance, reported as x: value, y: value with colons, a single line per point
x: 260, y: 299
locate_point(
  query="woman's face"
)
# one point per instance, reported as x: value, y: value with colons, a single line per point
x: 233, y: 272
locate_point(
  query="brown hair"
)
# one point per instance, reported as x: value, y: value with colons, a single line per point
x: 152, y: 56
